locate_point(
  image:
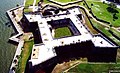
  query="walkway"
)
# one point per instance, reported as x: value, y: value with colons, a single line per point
x: 15, y: 24
x: 34, y: 3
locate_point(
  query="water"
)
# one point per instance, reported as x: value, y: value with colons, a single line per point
x: 7, y: 50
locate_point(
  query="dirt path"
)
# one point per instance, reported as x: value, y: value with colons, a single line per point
x: 65, y: 66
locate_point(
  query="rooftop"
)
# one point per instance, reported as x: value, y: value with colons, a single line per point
x: 41, y: 53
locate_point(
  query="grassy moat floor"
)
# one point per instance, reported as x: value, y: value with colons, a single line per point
x: 26, y: 52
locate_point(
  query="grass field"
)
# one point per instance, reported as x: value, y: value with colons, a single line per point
x: 62, y: 32
x: 94, y: 68
x: 64, y: 1
x: 27, y: 49
x: 99, y: 10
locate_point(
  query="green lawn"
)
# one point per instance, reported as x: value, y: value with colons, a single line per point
x: 94, y: 68
x: 61, y: 32
x: 29, y: 3
x: 99, y: 10
x: 64, y: 1
x: 27, y: 49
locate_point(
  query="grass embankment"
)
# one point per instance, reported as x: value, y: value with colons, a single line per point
x: 115, y: 32
x: 88, y: 24
x: 105, y: 30
x: 26, y: 51
x: 62, y: 32
x: 100, y: 11
x: 94, y: 68
x: 27, y: 4
x: 65, y: 1
x: 44, y: 1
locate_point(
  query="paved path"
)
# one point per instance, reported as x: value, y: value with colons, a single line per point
x: 24, y: 2
x: 34, y: 5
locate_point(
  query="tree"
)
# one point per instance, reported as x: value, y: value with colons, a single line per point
x: 112, y: 9
x: 110, y: 25
x: 91, y: 4
x: 17, y: 5
x: 41, y: 0
x: 56, y: 11
x: 17, y: 56
x: 13, y: 14
x: 84, y: 4
x: 112, y: 5
x: 14, y: 68
x: 103, y: 2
